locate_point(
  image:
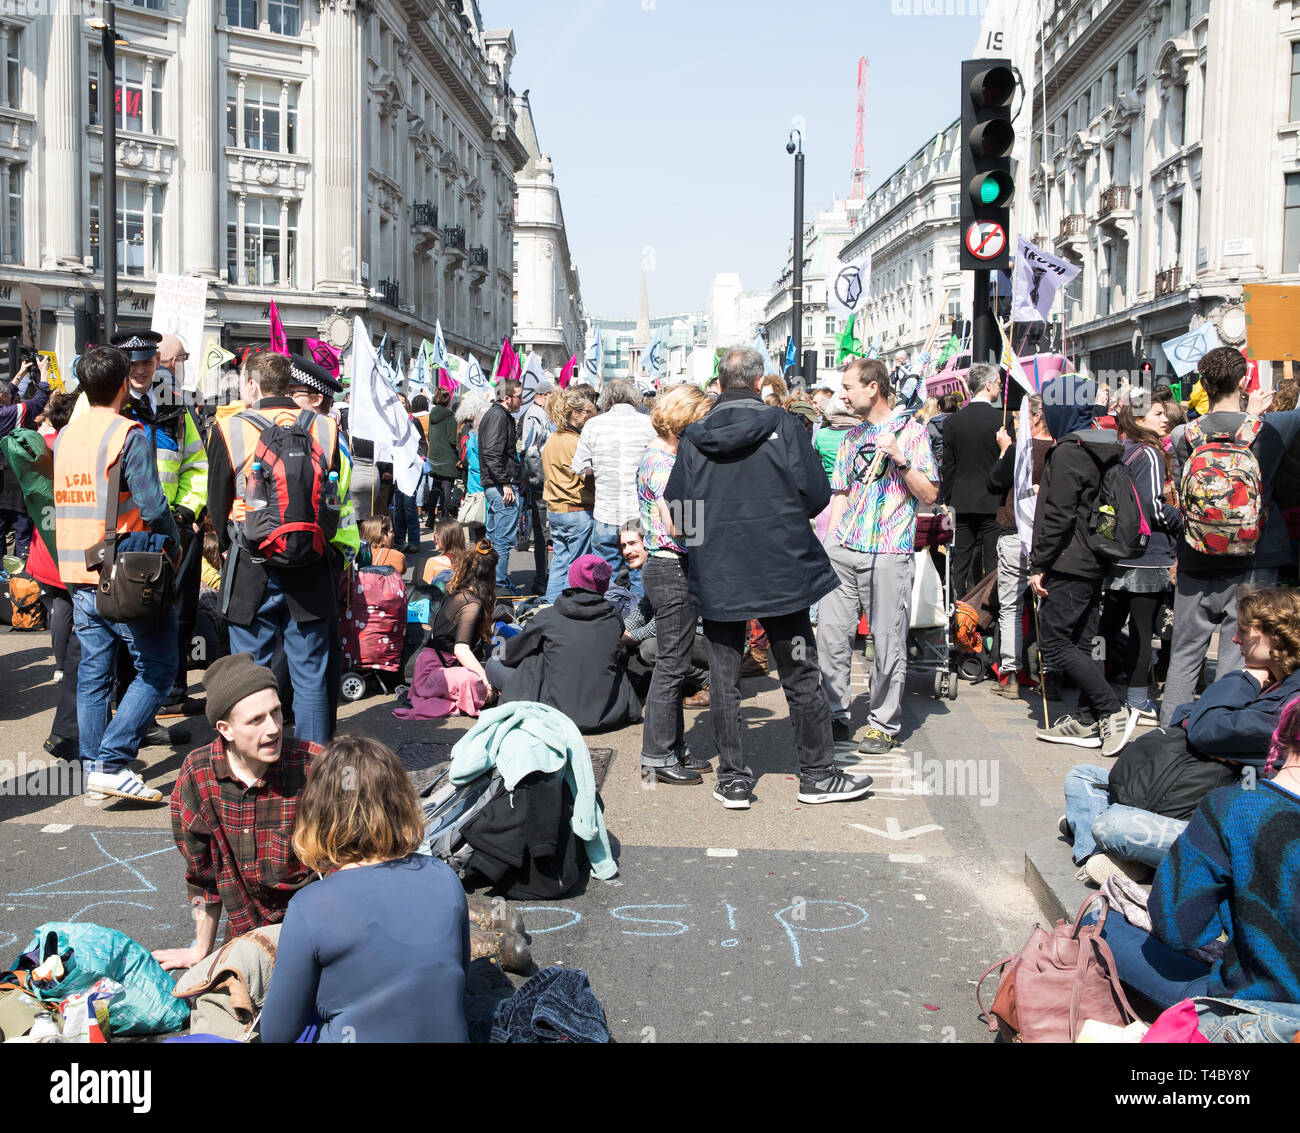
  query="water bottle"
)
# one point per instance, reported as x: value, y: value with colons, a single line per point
x: 255, y: 494
x: 332, y: 493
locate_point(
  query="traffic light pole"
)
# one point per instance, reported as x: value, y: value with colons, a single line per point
x: 983, y: 331
x: 796, y: 330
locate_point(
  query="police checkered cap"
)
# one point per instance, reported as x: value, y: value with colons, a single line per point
x: 138, y: 344
x: 305, y: 372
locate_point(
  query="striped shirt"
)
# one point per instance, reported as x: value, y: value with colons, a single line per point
x: 880, y: 516
x: 611, y: 446
x: 651, y: 479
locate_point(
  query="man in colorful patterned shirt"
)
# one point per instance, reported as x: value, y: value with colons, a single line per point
x: 234, y: 807
x: 883, y: 469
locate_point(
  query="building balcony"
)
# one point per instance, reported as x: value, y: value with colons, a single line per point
x: 453, y: 239
x: 424, y: 214
x: 1073, y: 231
x: 478, y: 257
x: 389, y: 292
x: 1167, y: 280
x: 1115, y: 199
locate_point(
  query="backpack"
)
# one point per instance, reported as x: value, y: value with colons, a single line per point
x: 1118, y: 527
x: 1223, y: 491
x: 449, y: 808
x: 374, y: 625
x: 20, y: 604
x: 295, y: 525
x: 1056, y: 982
x: 1159, y: 772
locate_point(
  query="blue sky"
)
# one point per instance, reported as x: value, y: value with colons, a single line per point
x: 667, y: 122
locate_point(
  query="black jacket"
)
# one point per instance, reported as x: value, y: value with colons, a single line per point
x: 970, y: 449
x: 568, y: 657
x: 747, y: 481
x: 498, y: 457
x: 311, y: 592
x: 523, y: 840
x: 1071, y: 480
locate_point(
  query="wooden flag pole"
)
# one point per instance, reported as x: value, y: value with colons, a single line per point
x: 1038, y: 644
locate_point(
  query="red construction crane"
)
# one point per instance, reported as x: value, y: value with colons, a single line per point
x: 859, y: 154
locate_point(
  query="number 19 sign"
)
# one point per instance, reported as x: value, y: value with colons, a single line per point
x: 985, y: 240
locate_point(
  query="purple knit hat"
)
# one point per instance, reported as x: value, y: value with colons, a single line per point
x: 590, y: 572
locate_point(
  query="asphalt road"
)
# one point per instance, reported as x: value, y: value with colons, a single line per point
x: 867, y: 920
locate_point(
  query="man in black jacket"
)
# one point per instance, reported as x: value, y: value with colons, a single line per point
x: 498, y: 463
x: 745, y: 484
x: 1067, y: 574
x: 970, y: 449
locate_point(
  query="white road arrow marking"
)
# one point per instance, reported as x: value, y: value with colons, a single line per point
x: 894, y: 831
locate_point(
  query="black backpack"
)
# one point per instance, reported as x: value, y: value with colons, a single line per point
x: 296, y: 523
x: 1118, y: 526
x: 1159, y: 772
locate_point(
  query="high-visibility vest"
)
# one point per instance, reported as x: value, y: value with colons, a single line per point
x: 83, y: 454
x: 241, y: 436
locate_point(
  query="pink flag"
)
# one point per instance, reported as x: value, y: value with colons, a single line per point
x: 446, y: 381
x: 279, y: 341
x: 509, y: 365
x: 566, y: 374
x: 322, y: 353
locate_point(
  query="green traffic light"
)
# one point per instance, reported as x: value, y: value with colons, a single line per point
x: 990, y: 190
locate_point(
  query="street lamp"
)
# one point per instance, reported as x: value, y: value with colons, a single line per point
x: 794, y: 145
x: 108, y: 184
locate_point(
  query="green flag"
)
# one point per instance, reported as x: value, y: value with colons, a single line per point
x: 948, y: 351
x: 850, y: 344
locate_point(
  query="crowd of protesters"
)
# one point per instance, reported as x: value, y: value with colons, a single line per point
x: 682, y: 540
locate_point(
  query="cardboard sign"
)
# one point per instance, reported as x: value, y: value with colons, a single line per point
x: 1272, y: 321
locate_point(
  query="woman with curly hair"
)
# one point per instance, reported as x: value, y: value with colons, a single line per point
x: 1126, y: 817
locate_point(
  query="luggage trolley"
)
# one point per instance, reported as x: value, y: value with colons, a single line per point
x: 929, y: 637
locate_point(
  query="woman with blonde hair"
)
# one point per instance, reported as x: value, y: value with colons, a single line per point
x: 569, y: 498
x: 377, y: 951
x: 664, y: 755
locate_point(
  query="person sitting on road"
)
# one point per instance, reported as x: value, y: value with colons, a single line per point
x: 449, y: 539
x: 377, y: 535
x: 233, y: 809
x: 1233, y: 875
x: 568, y: 655
x: 379, y: 950
x: 1114, y: 816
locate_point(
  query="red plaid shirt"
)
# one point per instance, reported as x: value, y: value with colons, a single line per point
x: 237, y: 839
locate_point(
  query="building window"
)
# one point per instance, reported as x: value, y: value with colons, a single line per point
x: 270, y: 115
x: 1178, y: 125
x: 1132, y: 62
x: 267, y: 255
x: 139, y: 225
x: 152, y: 5
x: 13, y: 218
x: 284, y: 16
x: 241, y: 13
x: 11, y: 42
x: 828, y: 360
x: 1295, y: 82
x: 830, y: 325
x: 1291, y: 227
x: 138, y: 98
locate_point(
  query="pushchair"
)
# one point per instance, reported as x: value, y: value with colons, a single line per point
x: 929, y: 637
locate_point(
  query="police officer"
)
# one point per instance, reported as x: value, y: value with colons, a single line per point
x: 156, y: 400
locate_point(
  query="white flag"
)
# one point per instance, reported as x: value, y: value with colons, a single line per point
x: 595, y: 356
x: 1011, y: 363
x: 1185, y: 351
x: 475, y: 379
x: 769, y: 367
x: 532, y: 374
x: 1022, y: 488
x: 652, y: 360
x: 848, y: 287
x: 1039, y: 276
x: 376, y: 415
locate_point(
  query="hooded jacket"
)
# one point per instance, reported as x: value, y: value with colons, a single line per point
x: 441, y: 433
x: 568, y: 657
x: 746, y: 482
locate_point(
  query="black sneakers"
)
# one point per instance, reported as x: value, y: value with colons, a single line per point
x: 734, y: 796
x: 835, y: 788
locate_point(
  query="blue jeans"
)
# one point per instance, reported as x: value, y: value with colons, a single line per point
x: 1247, y: 1021
x: 1148, y: 965
x: 110, y: 746
x: 570, y: 540
x: 502, y: 527
x: 306, y: 648
x: 604, y: 542
x: 1100, y: 826
x: 406, y: 520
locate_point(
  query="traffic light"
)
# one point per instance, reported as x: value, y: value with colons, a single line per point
x: 987, y: 138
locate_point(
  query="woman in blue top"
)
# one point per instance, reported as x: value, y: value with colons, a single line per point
x: 1234, y: 873
x: 378, y: 951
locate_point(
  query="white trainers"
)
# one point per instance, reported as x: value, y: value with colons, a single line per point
x: 122, y: 784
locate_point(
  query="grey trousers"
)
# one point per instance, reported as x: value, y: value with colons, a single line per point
x: 1202, y: 605
x: 880, y: 585
x: 1013, y: 577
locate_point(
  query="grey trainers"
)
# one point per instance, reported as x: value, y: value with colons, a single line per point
x: 835, y: 788
x: 1068, y: 730
x: 1116, y: 731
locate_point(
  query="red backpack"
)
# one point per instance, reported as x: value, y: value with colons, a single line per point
x: 294, y: 521
x: 1223, y: 491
